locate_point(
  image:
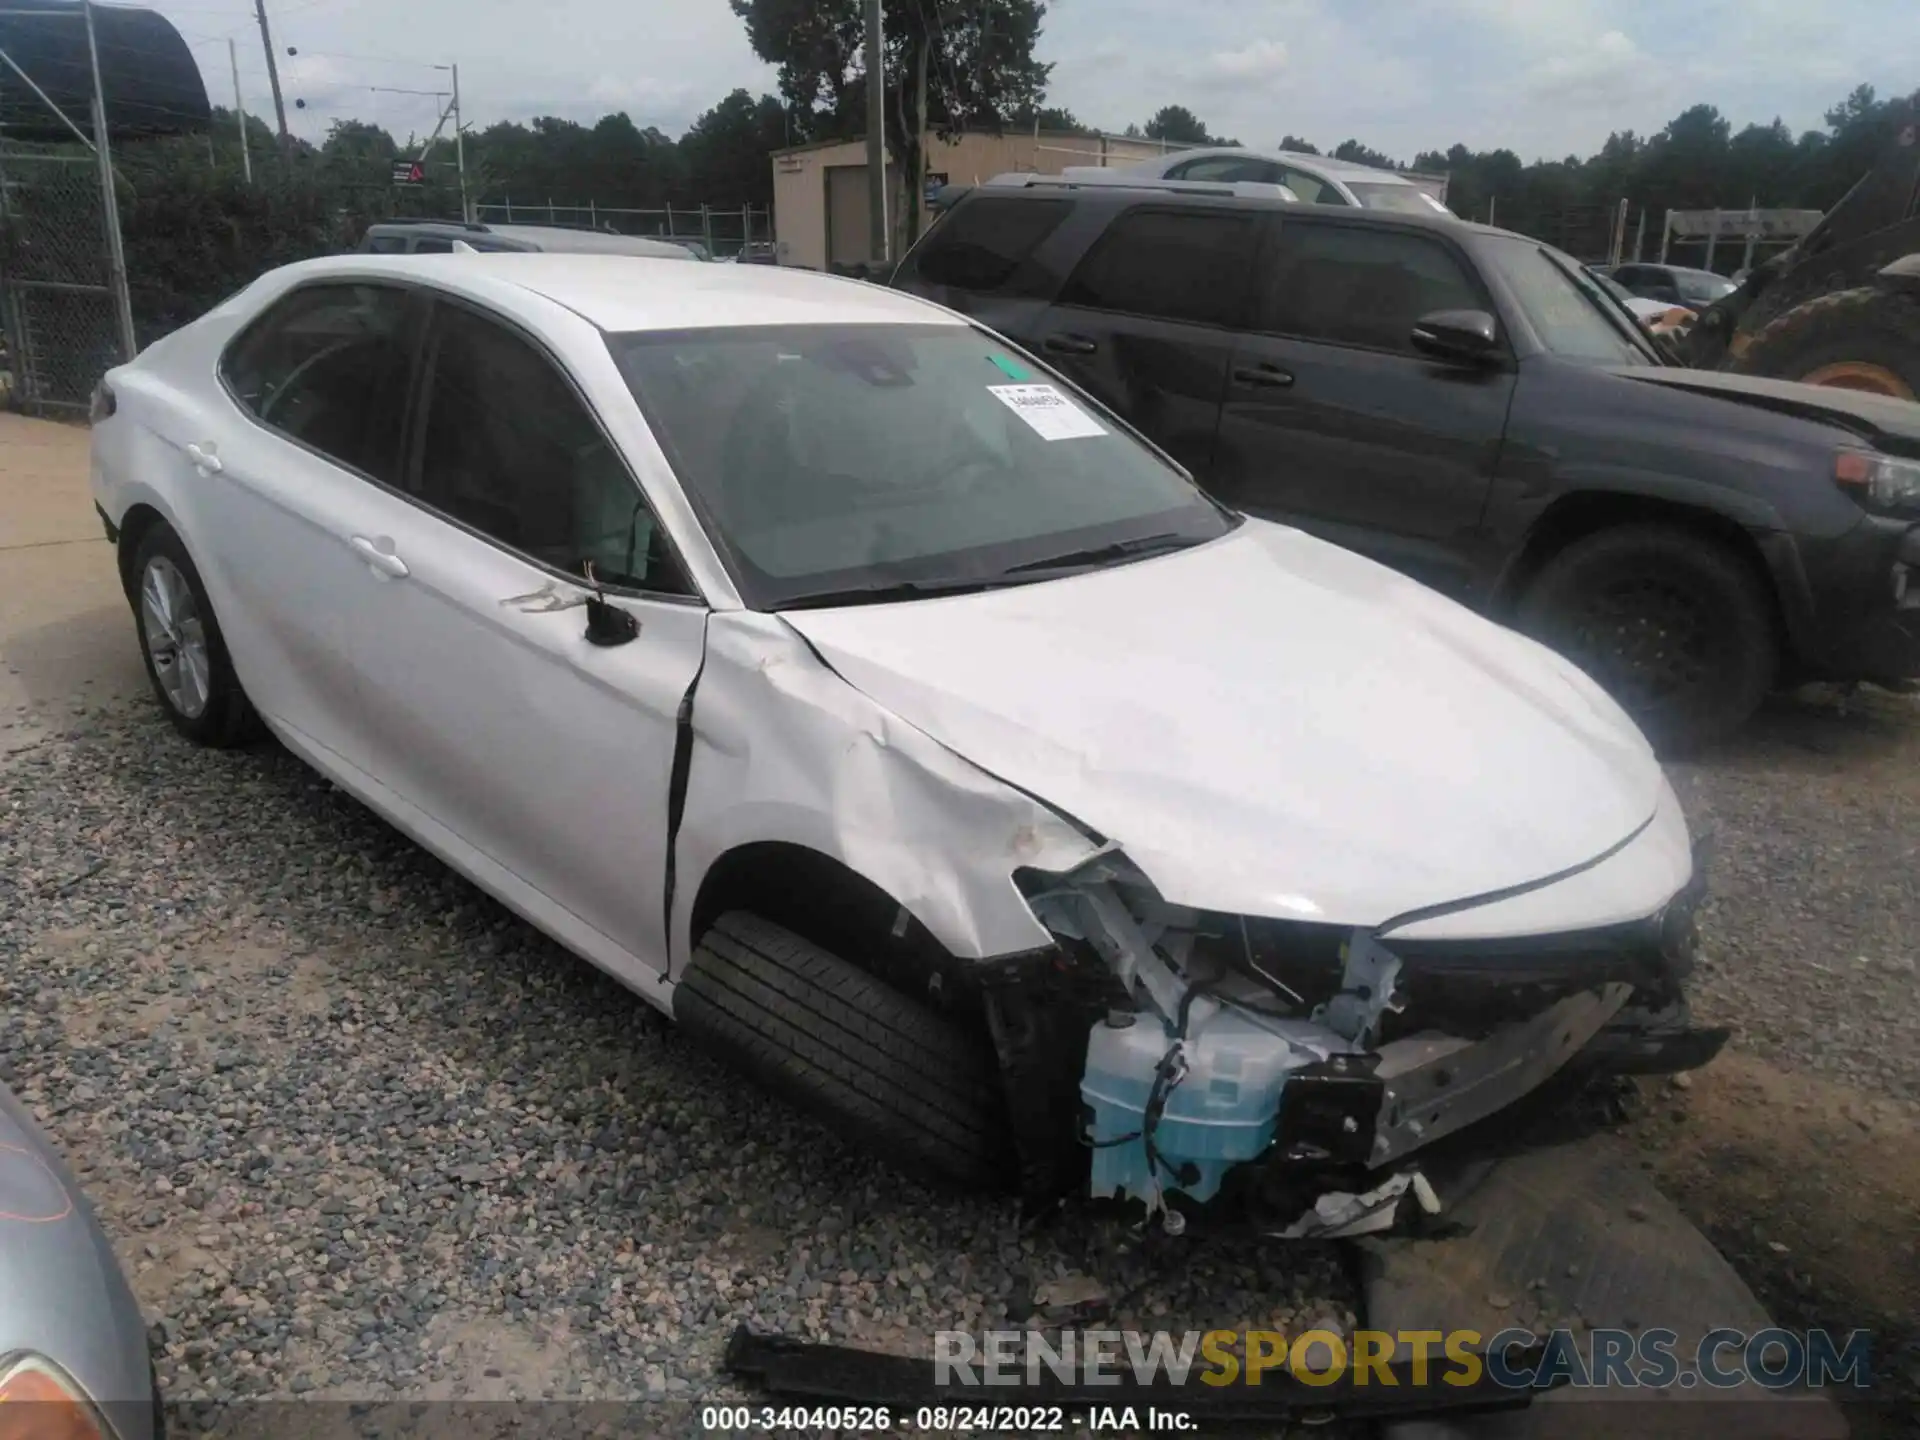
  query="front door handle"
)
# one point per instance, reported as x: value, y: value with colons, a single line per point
x: 379, y: 554
x: 1269, y: 375
x: 204, y: 458
x: 1069, y: 345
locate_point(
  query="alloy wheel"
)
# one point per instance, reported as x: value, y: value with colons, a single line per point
x: 175, y: 636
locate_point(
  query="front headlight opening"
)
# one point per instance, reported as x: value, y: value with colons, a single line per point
x: 39, y: 1401
x: 1880, y: 479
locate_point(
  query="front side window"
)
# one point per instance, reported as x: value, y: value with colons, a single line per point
x: 983, y: 244
x: 1188, y: 265
x: 1349, y: 285
x: 831, y: 460
x: 510, y: 449
x: 1402, y: 199
x: 328, y: 366
x: 1311, y: 189
x: 1566, y: 308
x: 387, y: 244
x: 432, y: 245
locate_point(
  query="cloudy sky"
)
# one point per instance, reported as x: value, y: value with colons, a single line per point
x: 1543, y: 77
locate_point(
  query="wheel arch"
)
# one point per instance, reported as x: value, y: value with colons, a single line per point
x: 826, y: 901
x: 1575, y: 516
x: 135, y: 525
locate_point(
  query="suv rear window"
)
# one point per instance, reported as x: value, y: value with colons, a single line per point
x: 983, y: 243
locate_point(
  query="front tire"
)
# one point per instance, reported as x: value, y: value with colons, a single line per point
x: 1673, y: 624
x: 182, y: 647
x: 883, y: 1068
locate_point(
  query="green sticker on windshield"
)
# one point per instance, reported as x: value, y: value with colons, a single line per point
x: 1009, y: 369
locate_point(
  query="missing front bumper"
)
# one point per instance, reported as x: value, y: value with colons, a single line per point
x: 1436, y: 1086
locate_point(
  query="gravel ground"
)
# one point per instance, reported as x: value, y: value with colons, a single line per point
x: 359, y: 1132
x: 1814, y: 917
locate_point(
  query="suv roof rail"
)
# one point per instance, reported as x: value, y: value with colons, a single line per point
x: 1245, y: 189
x: 429, y: 220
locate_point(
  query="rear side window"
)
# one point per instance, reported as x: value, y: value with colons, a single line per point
x: 1353, y: 286
x: 1228, y: 170
x: 387, y: 244
x: 985, y: 242
x: 1188, y: 265
x: 328, y: 366
x: 432, y: 245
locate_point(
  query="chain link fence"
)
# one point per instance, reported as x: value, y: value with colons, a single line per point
x: 59, y: 323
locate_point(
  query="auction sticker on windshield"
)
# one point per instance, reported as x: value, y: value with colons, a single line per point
x: 1051, y: 414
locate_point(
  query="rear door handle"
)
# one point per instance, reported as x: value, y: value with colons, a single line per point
x: 204, y: 458
x: 379, y: 554
x: 1271, y: 375
x: 1069, y: 345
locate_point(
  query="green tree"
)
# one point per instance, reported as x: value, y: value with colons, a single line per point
x: 1178, y: 125
x: 725, y: 154
x: 1053, y: 119
x: 949, y: 65
x: 1294, y: 145
x: 1355, y: 153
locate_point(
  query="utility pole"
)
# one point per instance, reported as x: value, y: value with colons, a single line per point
x: 116, y: 250
x: 273, y: 77
x: 878, y: 229
x: 240, y: 111
x: 460, y: 150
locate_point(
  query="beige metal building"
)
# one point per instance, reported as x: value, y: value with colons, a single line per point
x: 820, y: 190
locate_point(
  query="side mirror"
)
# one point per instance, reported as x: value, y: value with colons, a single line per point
x: 1463, y: 336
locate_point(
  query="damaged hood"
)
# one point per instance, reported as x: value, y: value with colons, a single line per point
x: 1268, y: 725
x: 1892, y: 425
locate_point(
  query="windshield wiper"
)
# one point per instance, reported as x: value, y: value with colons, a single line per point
x: 1100, y: 554
x: 886, y: 591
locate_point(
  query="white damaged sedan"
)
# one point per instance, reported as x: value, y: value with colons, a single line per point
x: 847, y: 685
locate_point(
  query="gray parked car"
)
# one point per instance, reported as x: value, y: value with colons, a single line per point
x: 71, y: 1338
x: 423, y: 237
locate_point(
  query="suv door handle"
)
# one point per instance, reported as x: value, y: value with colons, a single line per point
x: 1069, y: 345
x: 1271, y: 375
x: 382, y: 560
x: 204, y: 458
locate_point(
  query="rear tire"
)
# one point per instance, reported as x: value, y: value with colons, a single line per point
x: 1674, y: 625
x: 182, y: 647
x: 891, y: 1074
x: 1864, y: 339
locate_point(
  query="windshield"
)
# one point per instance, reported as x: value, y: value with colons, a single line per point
x: 1405, y: 198
x: 1702, y: 287
x: 831, y: 460
x: 1574, y: 318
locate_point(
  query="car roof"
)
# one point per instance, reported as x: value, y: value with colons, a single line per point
x: 1321, y: 164
x: 1121, y: 196
x: 636, y: 292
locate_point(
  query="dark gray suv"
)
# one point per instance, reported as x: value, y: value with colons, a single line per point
x: 1469, y: 406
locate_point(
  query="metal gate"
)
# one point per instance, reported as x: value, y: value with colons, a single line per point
x: 59, y: 306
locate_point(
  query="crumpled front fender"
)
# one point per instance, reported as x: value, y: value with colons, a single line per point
x: 784, y: 750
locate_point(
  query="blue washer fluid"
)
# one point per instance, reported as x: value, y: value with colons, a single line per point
x: 1222, y: 1114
